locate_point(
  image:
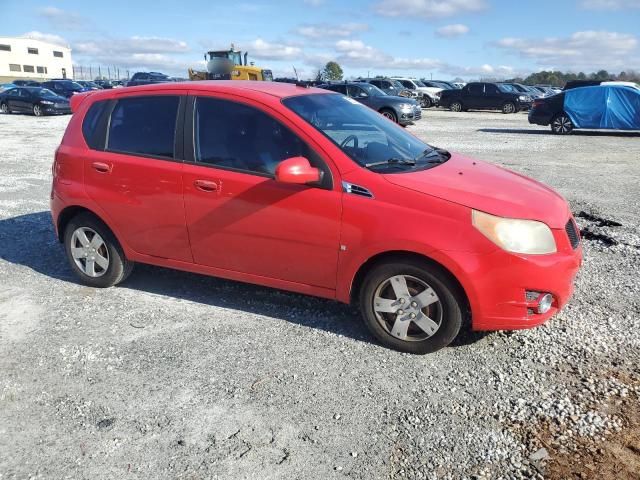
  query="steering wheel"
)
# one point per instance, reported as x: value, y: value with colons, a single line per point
x: 348, y: 139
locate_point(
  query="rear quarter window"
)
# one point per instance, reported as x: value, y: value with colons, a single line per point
x: 144, y: 126
x: 92, y: 126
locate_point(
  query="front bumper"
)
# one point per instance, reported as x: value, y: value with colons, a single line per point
x: 524, y: 105
x: 501, y: 280
x: 56, y: 110
x: 408, y: 116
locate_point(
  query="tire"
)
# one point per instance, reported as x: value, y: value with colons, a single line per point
x: 390, y: 114
x: 4, y: 108
x: 509, y: 107
x: 561, y: 124
x: 438, y: 322
x: 455, y: 107
x: 425, y: 102
x: 106, y: 247
x: 37, y: 110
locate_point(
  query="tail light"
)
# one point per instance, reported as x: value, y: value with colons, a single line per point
x: 537, y: 103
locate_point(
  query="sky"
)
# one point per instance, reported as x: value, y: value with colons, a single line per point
x: 441, y: 39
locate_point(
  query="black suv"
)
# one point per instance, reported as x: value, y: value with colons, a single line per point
x: 64, y: 88
x: 485, y: 96
x: 147, y: 78
x: 401, y: 110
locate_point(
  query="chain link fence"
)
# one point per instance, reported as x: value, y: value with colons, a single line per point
x: 100, y: 72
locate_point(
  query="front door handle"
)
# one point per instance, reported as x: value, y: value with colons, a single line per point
x: 206, y: 185
x: 101, y: 167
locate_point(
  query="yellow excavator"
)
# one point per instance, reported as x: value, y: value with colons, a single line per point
x: 230, y: 65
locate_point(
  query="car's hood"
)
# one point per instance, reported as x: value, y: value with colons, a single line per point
x: 399, y: 99
x: 431, y: 90
x: 489, y: 188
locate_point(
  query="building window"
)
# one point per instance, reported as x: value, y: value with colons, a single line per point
x: 57, y: 54
x: 33, y: 51
x: 6, y: 48
x: 28, y: 69
x: 14, y: 68
x: 41, y: 69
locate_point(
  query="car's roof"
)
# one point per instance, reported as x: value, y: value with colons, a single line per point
x: 276, y: 89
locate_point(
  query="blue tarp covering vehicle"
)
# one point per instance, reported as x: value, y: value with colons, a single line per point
x: 603, y: 107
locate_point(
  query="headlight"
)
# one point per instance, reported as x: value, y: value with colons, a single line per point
x: 514, y: 235
x: 405, y: 106
x: 46, y: 102
x: 524, y: 98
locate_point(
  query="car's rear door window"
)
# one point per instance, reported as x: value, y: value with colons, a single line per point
x: 144, y: 126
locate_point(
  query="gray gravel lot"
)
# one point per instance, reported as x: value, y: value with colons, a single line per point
x: 176, y: 375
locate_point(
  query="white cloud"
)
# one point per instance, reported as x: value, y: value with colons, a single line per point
x: 455, y: 30
x: 609, y: 4
x: 47, y: 37
x: 131, y: 45
x: 62, y: 19
x: 428, y: 9
x: 355, y: 53
x: 325, y: 30
x: 588, y: 50
x: 314, y: 3
x: 262, y: 49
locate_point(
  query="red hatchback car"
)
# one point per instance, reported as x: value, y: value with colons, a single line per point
x: 309, y: 191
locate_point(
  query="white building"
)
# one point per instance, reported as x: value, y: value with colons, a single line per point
x: 26, y: 58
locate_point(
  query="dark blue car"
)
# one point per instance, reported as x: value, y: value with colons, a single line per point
x: 64, y: 88
x: 35, y: 100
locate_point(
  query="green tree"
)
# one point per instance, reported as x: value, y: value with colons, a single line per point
x: 332, y: 71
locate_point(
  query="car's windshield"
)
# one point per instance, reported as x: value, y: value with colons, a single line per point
x: 43, y: 92
x: 363, y: 134
x: 371, y: 90
x: 397, y: 84
x: 507, y: 88
x: 69, y: 85
x: 419, y: 83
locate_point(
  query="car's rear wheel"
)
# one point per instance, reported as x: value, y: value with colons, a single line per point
x: 37, y: 110
x: 411, y: 307
x: 456, y: 107
x: 390, y: 114
x: 94, y: 253
x: 425, y: 102
x: 561, y: 124
x: 509, y: 107
x: 4, y: 108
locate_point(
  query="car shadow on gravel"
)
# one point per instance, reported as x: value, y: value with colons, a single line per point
x: 546, y: 131
x: 29, y: 240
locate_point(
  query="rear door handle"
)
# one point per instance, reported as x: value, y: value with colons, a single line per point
x: 101, y: 167
x: 206, y: 185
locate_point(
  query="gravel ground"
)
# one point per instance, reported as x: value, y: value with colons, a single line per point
x: 176, y: 375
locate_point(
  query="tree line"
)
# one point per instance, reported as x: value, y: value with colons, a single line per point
x: 559, y: 79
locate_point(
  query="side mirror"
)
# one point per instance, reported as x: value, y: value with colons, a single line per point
x: 297, y: 170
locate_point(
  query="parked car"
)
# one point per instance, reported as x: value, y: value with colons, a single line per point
x: 64, y: 88
x: 104, y: 84
x: 306, y: 190
x: 147, y: 78
x: 26, y: 83
x: 436, y: 84
x: 401, y: 110
x: 36, y: 100
x: 89, y: 85
x: 609, y: 107
x: 388, y: 86
x: 485, y: 96
x: 427, y: 96
x: 450, y: 85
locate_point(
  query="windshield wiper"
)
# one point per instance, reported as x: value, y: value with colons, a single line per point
x: 436, y: 155
x: 391, y: 161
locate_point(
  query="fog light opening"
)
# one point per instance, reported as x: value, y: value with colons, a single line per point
x: 545, y: 303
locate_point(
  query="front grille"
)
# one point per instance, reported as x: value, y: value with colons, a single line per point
x: 572, y: 233
x: 417, y: 114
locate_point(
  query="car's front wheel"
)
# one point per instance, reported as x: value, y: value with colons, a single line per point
x: 411, y: 307
x: 37, y: 110
x: 561, y: 124
x: 390, y: 114
x: 456, y: 107
x: 509, y: 107
x: 94, y: 253
x: 425, y: 102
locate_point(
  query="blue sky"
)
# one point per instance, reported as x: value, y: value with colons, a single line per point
x: 443, y: 38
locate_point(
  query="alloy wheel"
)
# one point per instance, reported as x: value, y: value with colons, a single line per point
x: 456, y: 107
x: 37, y: 110
x: 562, y: 124
x: 89, y: 252
x: 4, y: 108
x: 407, y: 308
x: 508, y: 108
